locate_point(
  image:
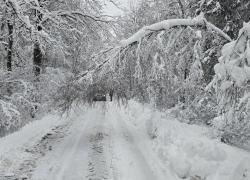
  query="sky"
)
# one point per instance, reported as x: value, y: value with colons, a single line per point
x: 114, y: 11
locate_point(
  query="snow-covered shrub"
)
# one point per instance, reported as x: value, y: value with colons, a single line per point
x: 15, y: 102
x: 66, y: 95
x: 26, y: 96
x: 73, y: 90
x: 231, y: 84
x: 49, y: 83
x: 143, y: 116
x: 25, y: 107
x: 9, y: 118
x: 201, y: 111
x: 233, y: 132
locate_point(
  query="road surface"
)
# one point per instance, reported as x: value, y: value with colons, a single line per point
x: 98, y: 146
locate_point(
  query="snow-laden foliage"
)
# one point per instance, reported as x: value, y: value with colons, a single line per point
x: 10, y: 117
x: 54, y: 54
x: 231, y: 84
x: 42, y: 44
x: 163, y: 63
x: 227, y: 15
x: 23, y: 99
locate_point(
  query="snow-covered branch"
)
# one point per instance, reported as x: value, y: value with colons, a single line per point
x: 73, y: 13
x: 53, y: 16
x: 17, y: 9
x: 147, y: 30
x: 167, y: 24
x: 2, y: 42
x: 218, y: 30
x: 114, y: 52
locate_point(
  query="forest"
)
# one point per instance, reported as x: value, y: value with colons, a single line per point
x: 187, y: 58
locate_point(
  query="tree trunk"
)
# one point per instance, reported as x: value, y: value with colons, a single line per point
x: 38, y: 56
x: 37, y: 59
x: 10, y: 45
x: 182, y: 98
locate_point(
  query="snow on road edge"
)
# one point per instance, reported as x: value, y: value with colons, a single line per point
x: 15, y: 148
x: 186, y: 149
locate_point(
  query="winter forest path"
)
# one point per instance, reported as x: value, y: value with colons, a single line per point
x: 98, y: 146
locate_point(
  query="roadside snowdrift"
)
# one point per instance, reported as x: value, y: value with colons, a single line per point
x: 187, y: 149
x: 20, y: 149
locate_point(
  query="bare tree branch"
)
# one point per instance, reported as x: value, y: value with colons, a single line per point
x: 72, y: 13
x: 182, y: 8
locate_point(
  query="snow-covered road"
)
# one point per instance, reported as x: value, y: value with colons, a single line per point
x: 99, y: 146
x: 108, y: 142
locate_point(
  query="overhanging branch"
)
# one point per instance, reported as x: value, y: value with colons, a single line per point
x: 167, y: 24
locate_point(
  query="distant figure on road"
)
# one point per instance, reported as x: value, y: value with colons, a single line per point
x: 111, y: 92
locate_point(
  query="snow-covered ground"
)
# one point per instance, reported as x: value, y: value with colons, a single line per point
x: 188, y: 150
x: 118, y: 143
x: 18, y: 150
x: 99, y: 146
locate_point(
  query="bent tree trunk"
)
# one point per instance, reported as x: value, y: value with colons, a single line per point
x: 10, y: 46
x: 168, y: 24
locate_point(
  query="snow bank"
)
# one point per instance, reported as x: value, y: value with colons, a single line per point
x: 142, y: 117
x: 242, y: 172
x: 28, y: 132
x: 186, y: 149
x: 13, y: 147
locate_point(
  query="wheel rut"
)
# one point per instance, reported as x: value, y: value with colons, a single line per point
x: 98, y: 162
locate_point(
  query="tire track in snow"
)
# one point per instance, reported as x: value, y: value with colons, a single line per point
x: 97, y: 164
x: 143, y: 159
x: 129, y: 154
x: 67, y: 157
x: 100, y: 147
x: 101, y: 151
x: 113, y: 152
x: 75, y: 143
